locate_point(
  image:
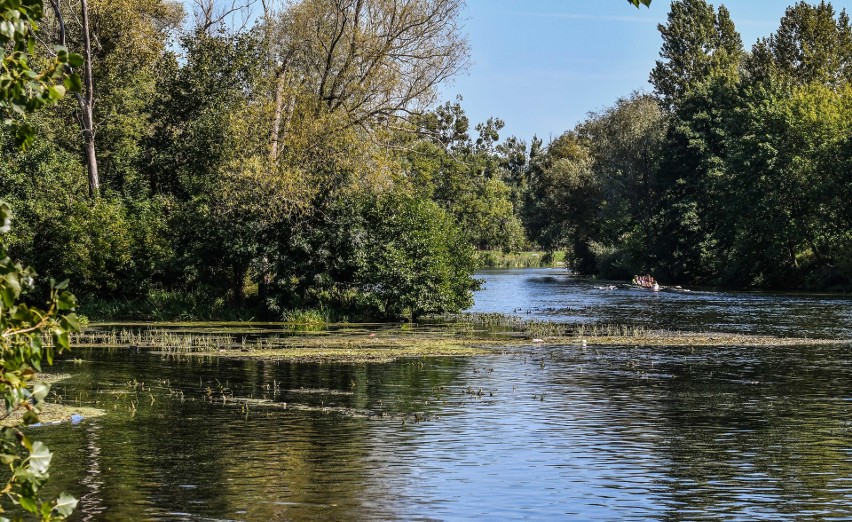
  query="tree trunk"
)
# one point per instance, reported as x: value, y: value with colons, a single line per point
x: 86, y: 106
x: 276, y: 118
x: 85, y: 100
x: 282, y: 115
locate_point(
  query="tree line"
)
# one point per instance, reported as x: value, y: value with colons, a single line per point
x: 204, y: 167
x: 735, y: 171
x: 212, y: 162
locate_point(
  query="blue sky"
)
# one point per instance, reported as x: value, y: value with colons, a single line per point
x: 542, y: 65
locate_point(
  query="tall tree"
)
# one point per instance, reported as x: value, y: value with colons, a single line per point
x: 812, y: 46
x: 368, y: 61
x: 126, y: 41
x: 698, y: 43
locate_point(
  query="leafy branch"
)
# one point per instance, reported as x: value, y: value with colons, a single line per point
x: 23, y: 348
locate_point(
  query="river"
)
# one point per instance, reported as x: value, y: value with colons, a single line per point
x: 564, y: 432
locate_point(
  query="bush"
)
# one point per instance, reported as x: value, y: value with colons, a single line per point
x: 413, y: 260
x: 386, y: 256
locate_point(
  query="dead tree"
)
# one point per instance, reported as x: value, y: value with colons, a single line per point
x: 85, y: 99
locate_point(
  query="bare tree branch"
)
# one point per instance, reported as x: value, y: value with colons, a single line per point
x: 212, y: 15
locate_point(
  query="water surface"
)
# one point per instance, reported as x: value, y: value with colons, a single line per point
x: 556, y: 295
x: 565, y: 432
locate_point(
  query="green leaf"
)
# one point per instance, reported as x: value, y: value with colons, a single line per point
x: 66, y: 301
x: 73, y: 83
x: 73, y: 322
x: 75, y: 60
x: 60, y: 338
x: 7, y: 294
x: 13, y: 283
x: 65, y: 505
x: 40, y: 458
x: 28, y: 503
x: 40, y: 391
x: 56, y: 92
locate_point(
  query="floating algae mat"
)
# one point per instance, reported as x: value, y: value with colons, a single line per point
x: 465, y: 335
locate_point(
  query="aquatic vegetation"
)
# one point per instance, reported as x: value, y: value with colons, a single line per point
x: 464, y: 335
x: 308, y: 319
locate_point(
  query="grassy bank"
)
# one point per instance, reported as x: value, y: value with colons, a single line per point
x: 530, y: 259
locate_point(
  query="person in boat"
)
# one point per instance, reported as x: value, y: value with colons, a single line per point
x: 646, y: 281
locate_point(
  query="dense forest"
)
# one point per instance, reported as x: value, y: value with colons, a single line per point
x: 735, y: 171
x: 301, y: 161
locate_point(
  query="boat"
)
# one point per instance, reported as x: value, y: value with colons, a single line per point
x: 647, y: 282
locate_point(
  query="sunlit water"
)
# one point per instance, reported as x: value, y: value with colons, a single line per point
x: 555, y: 295
x: 562, y: 432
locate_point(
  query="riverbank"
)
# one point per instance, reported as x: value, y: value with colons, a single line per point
x: 54, y: 412
x: 527, y: 259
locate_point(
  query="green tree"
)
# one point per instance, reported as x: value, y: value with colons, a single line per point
x: 120, y: 79
x: 374, y: 256
x: 24, y: 90
x: 562, y: 200
x: 625, y: 142
x: 785, y: 168
x: 698, y: 44
x: 466, y: 177
x: 811, y: 45
x: 698, y: 80
x: 692, y: 228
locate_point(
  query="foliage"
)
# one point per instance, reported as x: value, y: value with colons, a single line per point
x: 499, y: 259
x: 734, y: 175
x: 698, y: 43
x: 367, y: 61
x: 24, y: 90
x: 412, y: 260
x: 382, y: 256
x: 477, y: 181
x: 158, y: 304
x: 260, y: 195
x: 593, y: 190
x: 29, y: 336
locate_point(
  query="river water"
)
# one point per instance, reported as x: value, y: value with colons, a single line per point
x: 566, y: 432
x: 555, y: 295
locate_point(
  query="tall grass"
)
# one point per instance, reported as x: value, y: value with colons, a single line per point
x: 167, y: 305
